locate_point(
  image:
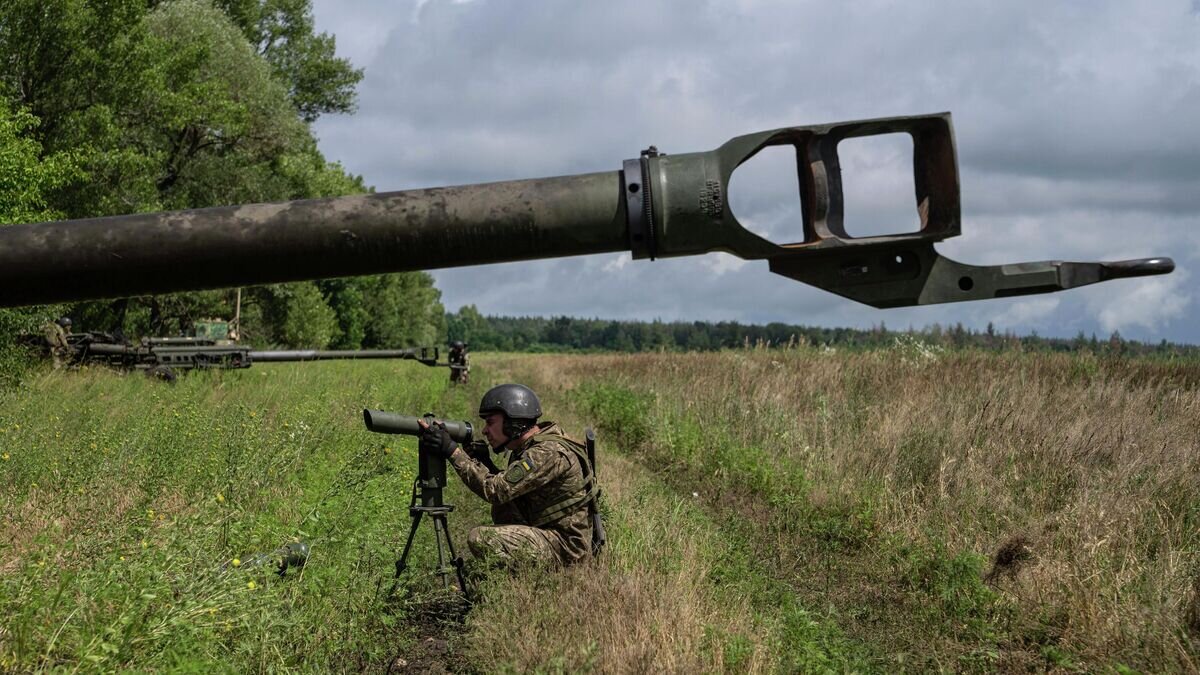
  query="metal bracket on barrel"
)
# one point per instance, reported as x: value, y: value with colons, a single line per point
x: 639, y: 204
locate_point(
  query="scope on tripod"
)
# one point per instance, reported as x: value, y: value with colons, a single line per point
x: 383, y: 422
x: 427, y: 489
x: 431, y: 470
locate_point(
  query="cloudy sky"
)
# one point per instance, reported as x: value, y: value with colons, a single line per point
x: 1077, y: 123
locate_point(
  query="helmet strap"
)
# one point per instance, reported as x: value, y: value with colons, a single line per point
x: 513, y: 429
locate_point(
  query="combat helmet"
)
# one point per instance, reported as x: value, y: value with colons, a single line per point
x: 518, y: 403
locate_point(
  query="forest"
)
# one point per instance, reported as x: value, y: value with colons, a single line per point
x: 563, y: 333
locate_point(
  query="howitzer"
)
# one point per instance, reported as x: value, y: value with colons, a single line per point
x: 163, y: 355
x: 655, y: 206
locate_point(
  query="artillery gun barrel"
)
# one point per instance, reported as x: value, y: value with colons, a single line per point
x: 108, y: 349
x: 656, y: 205
x: 310, y: 239
x: 330, y: 355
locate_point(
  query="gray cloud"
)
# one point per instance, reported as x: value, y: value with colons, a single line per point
x: 1075, y: 124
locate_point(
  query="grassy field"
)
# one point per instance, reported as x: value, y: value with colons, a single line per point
x: 769, y: 511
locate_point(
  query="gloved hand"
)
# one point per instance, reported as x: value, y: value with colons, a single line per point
x: 481, y: 452
x: 436, y: 442
x: 478, y: 450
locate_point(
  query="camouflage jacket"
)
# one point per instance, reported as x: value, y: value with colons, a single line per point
x: 543, y: 486
x: 56, y: 337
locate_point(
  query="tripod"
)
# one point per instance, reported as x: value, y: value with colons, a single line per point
x: 427, y: 488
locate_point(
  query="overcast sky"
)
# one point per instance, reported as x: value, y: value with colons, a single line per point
x: 1076, y: 124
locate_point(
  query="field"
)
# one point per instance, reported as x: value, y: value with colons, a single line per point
x: 906, y: 509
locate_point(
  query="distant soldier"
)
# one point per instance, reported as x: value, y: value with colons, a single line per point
x: 540, y: 501
x: 460, y: 366
x: 55, y: 334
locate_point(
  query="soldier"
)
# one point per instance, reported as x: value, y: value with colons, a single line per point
x: 539, y: 502
x: 55, y: 333
x: 459, y: 366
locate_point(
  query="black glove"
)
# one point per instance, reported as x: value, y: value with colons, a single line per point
x: 477, y: 450
x: 482, y: 453
x: 436, y: 442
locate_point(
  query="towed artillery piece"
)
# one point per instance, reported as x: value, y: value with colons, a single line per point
x: 655, y: 205
x: 162, y: 357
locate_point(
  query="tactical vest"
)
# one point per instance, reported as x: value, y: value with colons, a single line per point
x: 565, y: 505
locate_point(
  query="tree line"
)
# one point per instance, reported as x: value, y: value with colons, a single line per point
x: 563, y: 333
x: 112, y: 107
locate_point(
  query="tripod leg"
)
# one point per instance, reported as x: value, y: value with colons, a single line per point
x: 402, y: 561
x: 439, y: 526
x: 457, y: 562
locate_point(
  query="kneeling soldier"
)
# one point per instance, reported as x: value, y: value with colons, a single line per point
x: 539, y: 501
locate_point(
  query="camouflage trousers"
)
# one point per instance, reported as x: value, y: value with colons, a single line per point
x: 515, y: 544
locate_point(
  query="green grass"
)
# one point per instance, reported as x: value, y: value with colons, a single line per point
x: 125, y: 500
x: 782, y: 511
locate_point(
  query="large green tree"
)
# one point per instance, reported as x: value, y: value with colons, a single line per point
x: 283, y: 33
x: 26, y: 176
x: 121, y: 106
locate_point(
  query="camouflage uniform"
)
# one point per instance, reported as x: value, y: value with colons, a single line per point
x: 539, y: 502
x: 56, y: 343
x: 459, y: 366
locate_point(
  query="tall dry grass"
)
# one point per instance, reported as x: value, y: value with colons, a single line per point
x: 1077, y: 478
x: 645, y: 606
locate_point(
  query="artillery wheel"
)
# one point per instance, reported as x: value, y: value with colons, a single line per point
x: 164, y: 373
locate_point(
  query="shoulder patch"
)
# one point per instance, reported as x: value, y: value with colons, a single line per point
x: 518, y: 470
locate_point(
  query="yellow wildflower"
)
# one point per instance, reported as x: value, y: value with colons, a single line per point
x: 251, y: 585
x: 220, y: 498
x: 236, y: 562
x: 5, y: 456
x: 122, y: 558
